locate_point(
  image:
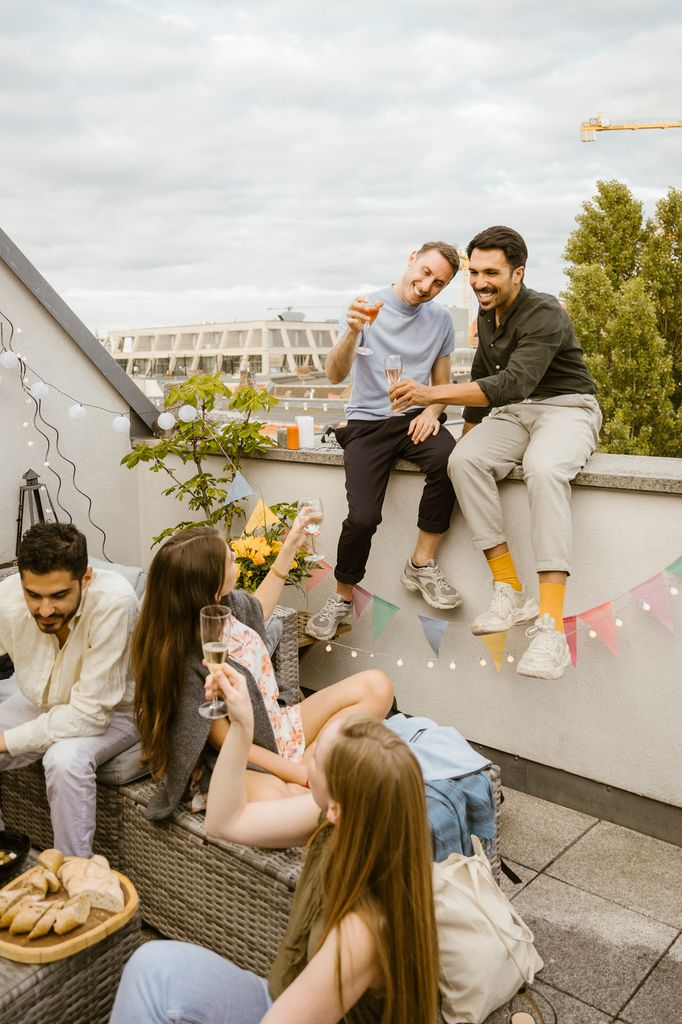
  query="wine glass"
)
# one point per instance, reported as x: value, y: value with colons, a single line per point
x: 372, y: 312
x: 393, y: 368
x: 215, y: 623
x: 313, y: 505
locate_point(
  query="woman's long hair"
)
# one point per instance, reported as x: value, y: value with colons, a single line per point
x: 379, y: 863
x: 186, y: 574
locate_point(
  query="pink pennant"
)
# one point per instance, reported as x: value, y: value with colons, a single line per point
x: 571, y: 631
x: 600, y: 619
x: 361, y: 599
x: 654, y: 592
x: 317, y: 574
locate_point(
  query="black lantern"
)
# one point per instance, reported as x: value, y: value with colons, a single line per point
x: 39, y: 504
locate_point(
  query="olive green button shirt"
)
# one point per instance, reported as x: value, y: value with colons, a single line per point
x: 533, y: 354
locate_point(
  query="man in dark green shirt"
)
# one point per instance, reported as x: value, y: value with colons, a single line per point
x: 532, y: 402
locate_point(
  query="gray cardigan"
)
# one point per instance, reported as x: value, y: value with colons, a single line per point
x: 189, y: 730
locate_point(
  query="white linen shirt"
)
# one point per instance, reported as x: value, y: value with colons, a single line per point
x: 77, y: 688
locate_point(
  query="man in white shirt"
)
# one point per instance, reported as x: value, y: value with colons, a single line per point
x: 67, y: 629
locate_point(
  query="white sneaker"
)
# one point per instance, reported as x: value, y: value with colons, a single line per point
x: 323, y: 626
x: 507, y: 607
x: 548, y: 653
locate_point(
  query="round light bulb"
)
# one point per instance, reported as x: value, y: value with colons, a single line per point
x: 39, y: 390
x: 399, y: 662
x: 121, y: 424
x: 372, y: 654
x: 25, y: 423
x: 328, y: 648
x: 9, y: 359
x: 510, y: 658
x: 46, y: 463
x: 31, y: 443
x: 166, y: 421
x: 429, y: 664
x: 646, y: 607
x: 187, y: 413
x: 483, y: 663
x: 619, y: 623
x: 674, y: 591
x: 592, y: 635
x: 353, y: 654
x: 452, y: 665
x: 77, y: 412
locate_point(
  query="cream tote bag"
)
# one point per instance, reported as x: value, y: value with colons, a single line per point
x: 486, y: 951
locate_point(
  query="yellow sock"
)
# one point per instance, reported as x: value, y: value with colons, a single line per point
x: 552, y: 601
x: 504, y: 571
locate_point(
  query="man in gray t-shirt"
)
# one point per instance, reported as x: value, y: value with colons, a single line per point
x: 399, y: 321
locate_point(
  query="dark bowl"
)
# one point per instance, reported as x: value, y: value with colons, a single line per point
x: 13, y: 842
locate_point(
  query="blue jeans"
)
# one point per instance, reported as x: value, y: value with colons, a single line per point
x: 177, y: 983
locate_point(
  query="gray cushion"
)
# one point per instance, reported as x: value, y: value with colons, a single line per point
x: 137, y: 577
x: 124, y: 768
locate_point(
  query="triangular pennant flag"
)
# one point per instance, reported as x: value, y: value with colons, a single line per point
x: 239, y: 488
x: 571, y: 631
x: 675, y: 567
x: 433, y: 631
x: 261, y: 516
x: 654, y: 592
x: 382, y: 613
x: 318, y: 571
x: 600, y: 619
x: 496, y: 642
x: 361, y: 599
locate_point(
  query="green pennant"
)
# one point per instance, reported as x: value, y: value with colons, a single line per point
x: 675, y: 567
x: 382, y: 613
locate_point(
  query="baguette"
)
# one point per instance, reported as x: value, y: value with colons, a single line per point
x: 28, y: 917
x: 44, y: 924
x: 51, y: 859
x: 8, y: 916
x: 9, y: 898
x: 74, y: 913
x: 36, y: 880
x: 92, y: 877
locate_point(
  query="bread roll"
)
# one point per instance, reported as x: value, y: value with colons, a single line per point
x: 45, y: 923
x: 8, y: 916
x: 28, y: 917
x: 51, y: 859
x: 36, y: 881
x: 93, y: 878
x: 74, y: 913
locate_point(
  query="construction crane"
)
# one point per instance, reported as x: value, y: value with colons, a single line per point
x: 601, y: 123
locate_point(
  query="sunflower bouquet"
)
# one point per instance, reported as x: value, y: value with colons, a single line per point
x: 255, y: 552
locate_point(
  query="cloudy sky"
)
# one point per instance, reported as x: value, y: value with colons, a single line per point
x: 174, y: 161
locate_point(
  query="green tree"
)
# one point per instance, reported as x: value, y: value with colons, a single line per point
x: 662, y: 270
x: 610, y: 233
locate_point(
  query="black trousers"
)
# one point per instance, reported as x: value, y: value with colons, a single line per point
x: 370, y: 448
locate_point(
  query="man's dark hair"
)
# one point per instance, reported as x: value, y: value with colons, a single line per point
x: 447, y: 251
x: 50, y: 547
x: 506, y: 239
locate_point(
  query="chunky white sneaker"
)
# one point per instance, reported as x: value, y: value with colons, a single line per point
x: 432, y: 584
x: 507, y: 607
x: 323, y: 626
x: 548, y: 653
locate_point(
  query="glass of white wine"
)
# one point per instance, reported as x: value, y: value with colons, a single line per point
x: 314, y: 506
x: 215, y: 622
x: 393, y: 368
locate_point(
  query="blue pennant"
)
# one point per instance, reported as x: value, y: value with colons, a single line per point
x: 239, y: 488
x: 433, y: 631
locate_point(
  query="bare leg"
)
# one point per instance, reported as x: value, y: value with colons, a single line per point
x: 344, y: 590
x: 260, y: 786
x: 425, y: 547
x: 365, y: 693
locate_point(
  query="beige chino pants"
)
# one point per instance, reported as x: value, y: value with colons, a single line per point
x: 552, y: 440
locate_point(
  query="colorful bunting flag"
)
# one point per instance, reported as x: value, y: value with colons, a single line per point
x: 571, y: 632
x: 261, y: 516
x: 239, y: 488
x: 318, y: 571
x: 654, y: 592
x: 382, y: 613
x: 433, y: 631
x: 675, y: 567
x: 600, y: 619
x: 361, y: 599
x: 495, y: 644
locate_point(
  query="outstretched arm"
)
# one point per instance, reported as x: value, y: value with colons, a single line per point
x: 270, y: 590
x: 277, y: 765
x: 229, y: 815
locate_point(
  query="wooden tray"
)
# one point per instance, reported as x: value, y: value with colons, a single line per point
x: 51, y: 947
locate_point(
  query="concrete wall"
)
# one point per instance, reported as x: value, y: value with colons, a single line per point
x: 614, y: 720
x: 92, y: 445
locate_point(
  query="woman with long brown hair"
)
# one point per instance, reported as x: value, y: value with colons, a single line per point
x: 197, y: 568
x: 361, y: 941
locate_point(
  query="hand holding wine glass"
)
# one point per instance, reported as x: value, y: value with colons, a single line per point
x: 214, y: 622
x: 232, y: 685
x: 371, y: 310
x: 393, y: 368
x: 312, y: 509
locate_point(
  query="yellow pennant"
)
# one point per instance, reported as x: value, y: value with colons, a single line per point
x: 496, y: 642
x: 261, y: 516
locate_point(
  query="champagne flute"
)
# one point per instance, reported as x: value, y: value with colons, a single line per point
x: 313, y: 505
x: 372, y: 312
x: 393, y: 368
x: 215, y: 624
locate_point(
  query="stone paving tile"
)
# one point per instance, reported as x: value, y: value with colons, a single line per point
x: 594, y: 949
x: 634, y: 870
x: 533, y: 832
x: 659, y: 1001
x: 508, y: 887
x: 568, y: 1009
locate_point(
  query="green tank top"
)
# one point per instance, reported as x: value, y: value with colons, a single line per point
x: 304, y: 931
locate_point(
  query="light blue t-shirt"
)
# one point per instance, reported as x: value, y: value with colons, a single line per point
x: 420, y: 334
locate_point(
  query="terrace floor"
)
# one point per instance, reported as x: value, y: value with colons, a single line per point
x: 605, y: 906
